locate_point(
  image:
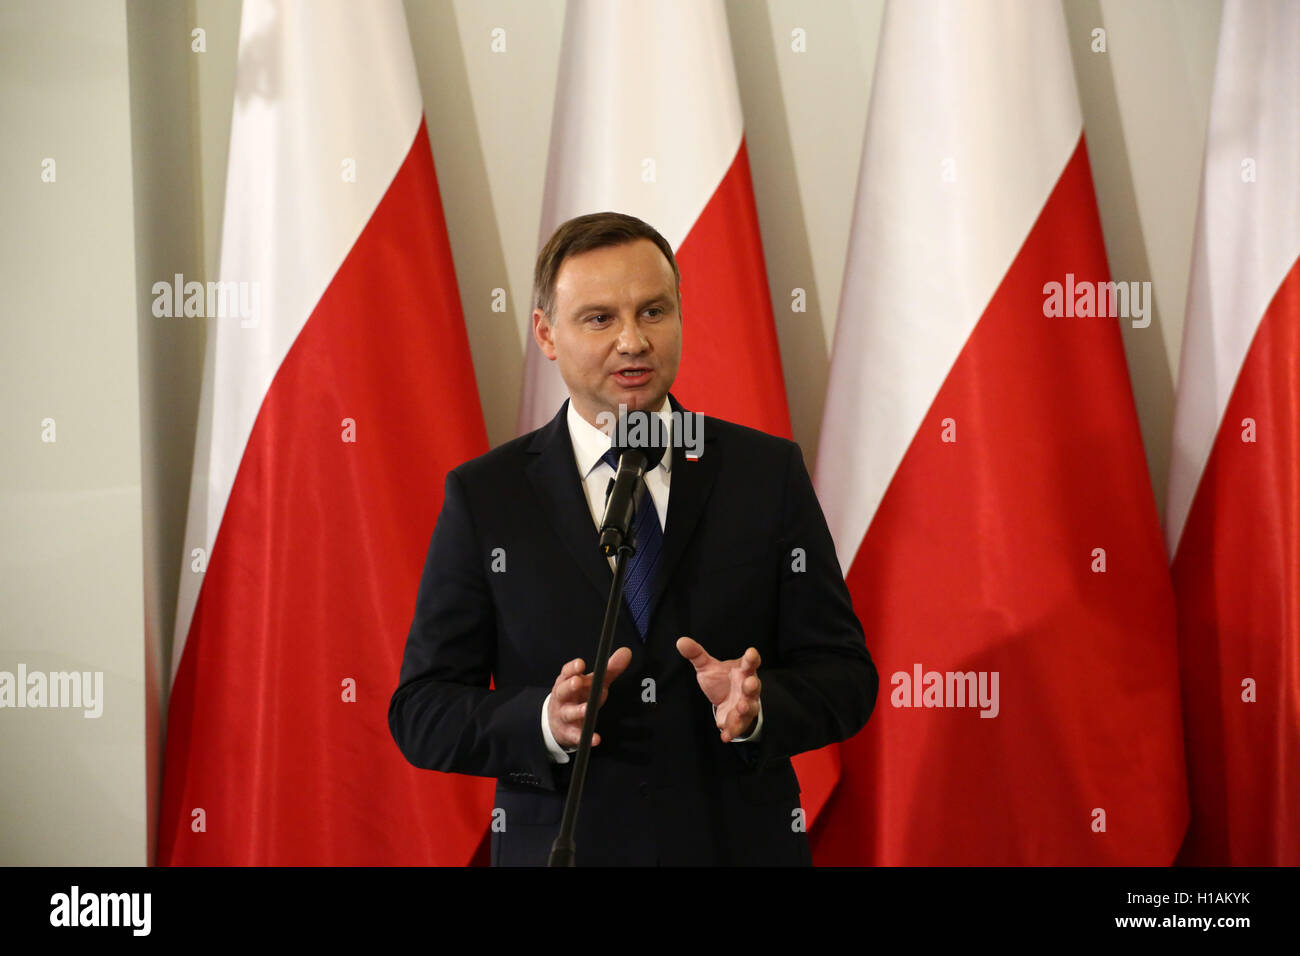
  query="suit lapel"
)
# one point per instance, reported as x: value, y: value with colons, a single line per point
x: 555, y: 477
x: 689, y: 488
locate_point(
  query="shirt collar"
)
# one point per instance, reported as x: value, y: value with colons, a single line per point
x: 590, y: 443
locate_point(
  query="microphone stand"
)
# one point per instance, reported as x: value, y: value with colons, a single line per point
x: 563, y: 849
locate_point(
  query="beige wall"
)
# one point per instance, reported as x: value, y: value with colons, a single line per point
x: 92, y: 525
x: 71, y: 562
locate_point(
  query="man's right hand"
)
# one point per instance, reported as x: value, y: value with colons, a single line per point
x: 568, y: 705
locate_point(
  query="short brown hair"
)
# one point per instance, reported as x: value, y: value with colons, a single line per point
x: 584, y: 233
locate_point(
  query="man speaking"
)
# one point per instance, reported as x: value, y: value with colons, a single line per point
x: 737, y: 641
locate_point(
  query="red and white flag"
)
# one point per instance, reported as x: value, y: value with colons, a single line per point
x: 334, y: 402
x: 665, y: 142
x: 982, y: 472
x: 1233, y: 518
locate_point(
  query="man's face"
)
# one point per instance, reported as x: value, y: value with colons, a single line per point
x: 616, y: 328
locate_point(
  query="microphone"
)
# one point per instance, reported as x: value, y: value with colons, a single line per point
x: 640, y: 443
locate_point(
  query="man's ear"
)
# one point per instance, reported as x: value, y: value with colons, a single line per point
x: 542, y: 334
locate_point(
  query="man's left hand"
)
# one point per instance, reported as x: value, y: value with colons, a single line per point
x: 732, y: 687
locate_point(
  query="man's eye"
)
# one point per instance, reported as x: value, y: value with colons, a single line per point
x: 656, y: 310
x: 598, y: 318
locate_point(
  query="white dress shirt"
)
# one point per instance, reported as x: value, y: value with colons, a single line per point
x: 589, y: 445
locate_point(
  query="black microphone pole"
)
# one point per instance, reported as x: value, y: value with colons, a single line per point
x: 562, y: 850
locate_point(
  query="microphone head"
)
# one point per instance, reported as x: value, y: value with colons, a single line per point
x: 644, y: 432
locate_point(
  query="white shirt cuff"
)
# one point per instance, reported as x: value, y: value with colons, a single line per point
x: 558, y: 753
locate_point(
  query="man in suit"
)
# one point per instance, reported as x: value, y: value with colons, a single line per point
x: 739, y: 644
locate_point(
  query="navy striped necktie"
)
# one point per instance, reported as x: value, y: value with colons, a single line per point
x: 643, y: 566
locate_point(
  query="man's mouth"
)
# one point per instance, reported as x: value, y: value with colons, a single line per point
x: 632, y: 376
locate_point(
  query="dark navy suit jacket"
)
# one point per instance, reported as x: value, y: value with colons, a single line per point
x: 747, y: 560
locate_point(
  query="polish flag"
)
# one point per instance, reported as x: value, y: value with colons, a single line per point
x: 330, y: 414
x: 647, y: 122
x: 1233, y: 520
x: 983, y: 476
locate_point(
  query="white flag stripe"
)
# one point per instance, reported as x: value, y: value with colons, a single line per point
x: 291, y: 215
x: 1247, y: 233
x: 647, y: 88
x: 958, y: 161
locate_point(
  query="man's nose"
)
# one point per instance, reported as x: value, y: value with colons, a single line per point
x: 630, y: 337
